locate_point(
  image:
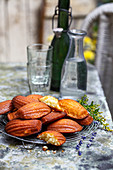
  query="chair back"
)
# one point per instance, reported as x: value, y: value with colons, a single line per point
x: 104, y: 50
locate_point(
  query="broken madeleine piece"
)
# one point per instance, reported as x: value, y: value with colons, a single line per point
x: 23, y: 127
x: 51, y: 101
x: 65, y: 126
x: 52, y: 137
x: 73, y: 108
x: 6, y: 106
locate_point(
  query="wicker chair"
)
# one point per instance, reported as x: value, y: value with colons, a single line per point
x: 104, y: 51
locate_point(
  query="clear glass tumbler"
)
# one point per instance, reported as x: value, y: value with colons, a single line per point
x: 39, y: 68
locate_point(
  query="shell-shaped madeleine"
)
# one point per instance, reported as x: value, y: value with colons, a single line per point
x: 23, y: 127
x: 86, y: 121
x: 73, y: 108
x: 53, y: 116
x: 5, y: 106
x: 65, y: 126
x: 52, y: 137
x: 33, y: 110
x: 34, y: 97
x: 19, y: 101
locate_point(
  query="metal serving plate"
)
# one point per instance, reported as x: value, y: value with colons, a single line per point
x: 70, y: 138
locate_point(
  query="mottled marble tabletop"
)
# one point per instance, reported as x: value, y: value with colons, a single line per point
x: 13, y: 155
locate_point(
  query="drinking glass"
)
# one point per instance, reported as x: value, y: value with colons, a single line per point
x: 39, y: 68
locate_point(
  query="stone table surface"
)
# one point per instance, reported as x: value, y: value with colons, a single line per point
x: 13, y: 155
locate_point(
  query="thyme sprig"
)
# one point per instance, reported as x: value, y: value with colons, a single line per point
x: 94, y: 111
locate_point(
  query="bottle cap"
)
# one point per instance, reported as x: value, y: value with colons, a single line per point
x: 77, y: 32
x: 58, y: 32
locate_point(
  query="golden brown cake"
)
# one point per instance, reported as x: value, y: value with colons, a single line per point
x: 65, y: 126
x: 33, y: 110
x: 86, y: 121
x: 19, y: 101
x: 34, y: 96
x: 6, y: 106
x: 73, y: 108
x: 52, y: 102
x: 12, y: 115
x: 23, y: 127
x: 51, y: 117
x: 52, y: 137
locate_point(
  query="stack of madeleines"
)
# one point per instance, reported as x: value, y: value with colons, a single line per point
x: 46, y: 115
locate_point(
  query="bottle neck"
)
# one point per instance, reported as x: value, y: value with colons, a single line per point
x: 63, y: 14
x: 76, y: 38
x: 78, y: 47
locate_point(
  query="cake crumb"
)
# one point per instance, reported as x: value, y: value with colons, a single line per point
x: 54, y: 152
x: 44, y: 148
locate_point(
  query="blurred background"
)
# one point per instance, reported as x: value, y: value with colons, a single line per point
x: 23, y: 22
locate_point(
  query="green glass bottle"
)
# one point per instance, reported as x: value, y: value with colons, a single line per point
x: 60, y: 43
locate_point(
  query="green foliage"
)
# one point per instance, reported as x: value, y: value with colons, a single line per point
x: 94, y: 111
x: 105, y: 1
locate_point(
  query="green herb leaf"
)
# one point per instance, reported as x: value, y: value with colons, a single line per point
x: 94, y: 111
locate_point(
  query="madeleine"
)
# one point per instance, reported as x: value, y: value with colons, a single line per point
x: 52, y: 137
x: 22, y: 128
x: 65, y: 126
x: 73, y: 108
